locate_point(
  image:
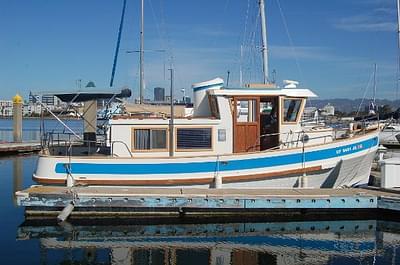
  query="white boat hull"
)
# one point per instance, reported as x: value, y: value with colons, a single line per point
x: 389, y: 137
x: 342, y: 163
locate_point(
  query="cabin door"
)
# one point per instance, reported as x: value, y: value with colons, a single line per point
x: 269, y: 122
x: 246, y: 125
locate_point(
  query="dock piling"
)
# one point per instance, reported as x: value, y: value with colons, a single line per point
x: 66, y: 212
x: 381, y: 151
x: 17, y: 118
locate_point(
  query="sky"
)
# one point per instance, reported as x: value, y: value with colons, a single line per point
x: 328, y: 46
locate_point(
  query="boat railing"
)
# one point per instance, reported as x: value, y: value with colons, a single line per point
x: 294, y: 139
x: 67, y: 144
x: 301, y: 138
x: 57, y: 139
x: 120, y: 142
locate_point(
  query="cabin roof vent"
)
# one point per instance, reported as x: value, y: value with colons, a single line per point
x: 290, y: 83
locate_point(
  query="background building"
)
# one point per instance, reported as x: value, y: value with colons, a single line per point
x: 159, y: 94
x: 328, y: 110
x: 6, y: 108
x: 48, y: 100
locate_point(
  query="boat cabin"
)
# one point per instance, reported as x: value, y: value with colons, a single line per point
x: 224, y: 121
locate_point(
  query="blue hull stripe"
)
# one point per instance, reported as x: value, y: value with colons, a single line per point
x: 232, y: 165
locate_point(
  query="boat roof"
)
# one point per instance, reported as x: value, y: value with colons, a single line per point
x: 244, y: 91
x: 81, y: 96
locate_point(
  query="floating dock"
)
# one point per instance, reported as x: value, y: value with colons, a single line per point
x: 16, y: 148
x: 117, y: 201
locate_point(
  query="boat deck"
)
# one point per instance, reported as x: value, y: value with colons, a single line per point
x: 48, y: 200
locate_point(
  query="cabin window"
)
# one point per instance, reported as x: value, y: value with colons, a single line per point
x: 246, y: 110
x: 291, y: 109
x: 150, y: 139
x: 193, y: 138
x: 214, y: 106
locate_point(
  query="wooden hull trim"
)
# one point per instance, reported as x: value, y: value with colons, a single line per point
x: 177, y: 182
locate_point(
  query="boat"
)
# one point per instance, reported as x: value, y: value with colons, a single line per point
x: 236, y: 137
x: 390, y: 135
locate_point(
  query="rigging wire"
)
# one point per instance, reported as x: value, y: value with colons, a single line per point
x: 249, y: 43
x: 170, y: 57
x: 162, y: 40
x: 243, y: 46
x: 365, y: 93
x: 246, y: 21
x: 284, y: 21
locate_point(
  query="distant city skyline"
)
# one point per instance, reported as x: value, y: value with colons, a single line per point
x: 329, y: 46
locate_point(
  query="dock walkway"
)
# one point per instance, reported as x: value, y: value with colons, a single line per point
x: 130, y: 200
x: 15, y: 148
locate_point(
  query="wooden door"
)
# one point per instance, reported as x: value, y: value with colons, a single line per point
x: 246, y: 124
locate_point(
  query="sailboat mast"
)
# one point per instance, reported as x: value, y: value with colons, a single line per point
x: 240, y: 67
x: 374, y: 97
x: 398, y: 45
x: 121, y: 24
x: 264, y: 48
x: 141, y: 53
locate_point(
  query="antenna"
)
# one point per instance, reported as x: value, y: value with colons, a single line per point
x: 141, y: 54
x: 274, y: 76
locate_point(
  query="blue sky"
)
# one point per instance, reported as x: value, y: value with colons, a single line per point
x: 329, y: 46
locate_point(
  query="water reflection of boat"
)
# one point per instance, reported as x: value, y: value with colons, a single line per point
x: 307, y: 242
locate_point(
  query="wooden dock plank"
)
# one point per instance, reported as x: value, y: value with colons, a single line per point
x: 149, y: 191
x: 24, y: 147
x: 111, y: 198
x: 127, y: 191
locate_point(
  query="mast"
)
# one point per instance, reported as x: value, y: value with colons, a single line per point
x: 141, y: 53
x: 240, y: 67
x: 171, y: 120
x: 374, y: 97
x: 121, y: 24
x: 264, y: 48
x: 398, y: 46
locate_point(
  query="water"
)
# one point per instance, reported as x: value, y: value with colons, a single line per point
x: 31, y: 128
x: 180, y: 241
x: 186, y: 241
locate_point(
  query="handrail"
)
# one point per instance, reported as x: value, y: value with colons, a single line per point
x: 293, y: 139
x: 53, y: 139
x: 123, y: 143
x: 289, y: 140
